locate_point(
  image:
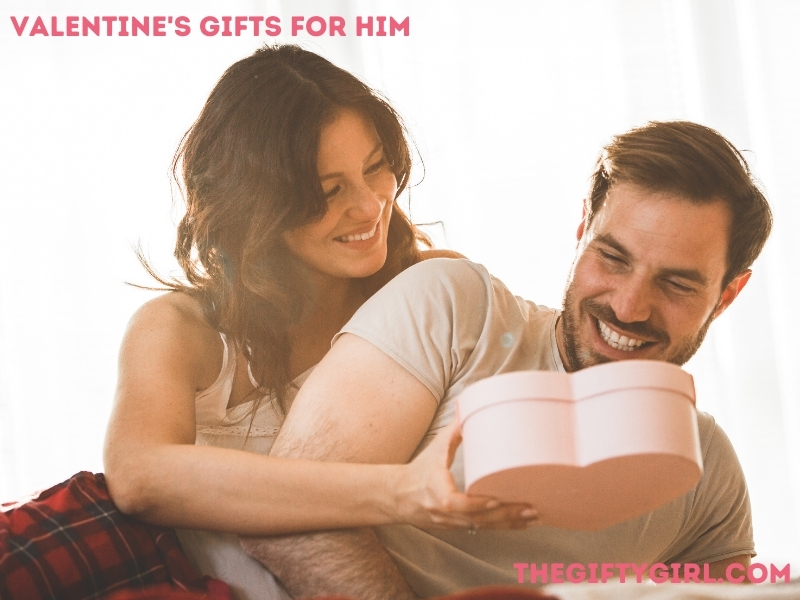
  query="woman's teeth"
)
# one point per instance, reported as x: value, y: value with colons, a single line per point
x: 358, y: 237
x: 617, y: 341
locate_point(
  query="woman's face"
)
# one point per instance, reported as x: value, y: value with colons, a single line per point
x: 350, y: 239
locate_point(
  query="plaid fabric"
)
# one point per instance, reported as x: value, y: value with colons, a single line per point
x: 166, y: 592
x: 72, y: 543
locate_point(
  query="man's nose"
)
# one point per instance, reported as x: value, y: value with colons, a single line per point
x: 632, y: 299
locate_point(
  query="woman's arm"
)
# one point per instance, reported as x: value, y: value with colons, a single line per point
x: 155, y: 472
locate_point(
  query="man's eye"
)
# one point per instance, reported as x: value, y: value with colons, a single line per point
x: 611, y: 257
x: 332, y: 192
x: 679, y: 287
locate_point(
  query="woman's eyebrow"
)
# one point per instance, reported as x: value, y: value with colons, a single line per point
x: 378, y: 147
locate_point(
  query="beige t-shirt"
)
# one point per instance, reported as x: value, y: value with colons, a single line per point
x: 450, y: 323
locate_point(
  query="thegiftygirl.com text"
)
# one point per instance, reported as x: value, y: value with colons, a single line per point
x: 658, y: 573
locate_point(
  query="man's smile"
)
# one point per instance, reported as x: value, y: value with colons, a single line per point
x: 617, y: 341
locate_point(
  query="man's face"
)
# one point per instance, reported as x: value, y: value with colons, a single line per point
x: 647, y: 280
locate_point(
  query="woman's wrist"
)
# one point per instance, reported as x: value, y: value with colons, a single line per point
x: 394, y: 499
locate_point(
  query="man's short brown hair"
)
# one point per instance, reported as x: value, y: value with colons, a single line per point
x: 694, y: 161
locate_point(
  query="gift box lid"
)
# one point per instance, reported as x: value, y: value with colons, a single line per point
x: 588, y: 449
x: 574, y: 387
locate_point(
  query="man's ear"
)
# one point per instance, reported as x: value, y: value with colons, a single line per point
x: 731, y: 291
x: 582, y: 226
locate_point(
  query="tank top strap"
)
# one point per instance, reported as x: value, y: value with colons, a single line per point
x: 212, y: 402
x: 250, y: 375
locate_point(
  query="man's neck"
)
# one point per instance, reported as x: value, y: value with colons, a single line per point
x: 560, y: 344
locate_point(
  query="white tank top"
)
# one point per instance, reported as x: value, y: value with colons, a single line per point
x: 218, y: 425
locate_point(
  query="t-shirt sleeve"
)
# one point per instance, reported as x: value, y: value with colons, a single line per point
x: 428, y: 319
x: 719, y: 524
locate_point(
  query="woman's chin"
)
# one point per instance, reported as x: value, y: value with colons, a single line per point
x: 359, y: 269
x: 368, y: 270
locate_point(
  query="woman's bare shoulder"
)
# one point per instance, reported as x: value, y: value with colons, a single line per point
x: 440, y: 253
x: 172, y: 307
x: 172, y: 330
x: 175, y: 314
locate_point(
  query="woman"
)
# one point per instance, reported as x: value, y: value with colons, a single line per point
x: 290, y: 176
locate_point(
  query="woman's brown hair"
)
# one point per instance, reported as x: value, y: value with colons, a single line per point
x: 247, y: 170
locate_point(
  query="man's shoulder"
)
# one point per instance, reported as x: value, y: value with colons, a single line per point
x: 715, y: 446
x: 706, y: 425
x: 458, y: 271
x: 451, y: 281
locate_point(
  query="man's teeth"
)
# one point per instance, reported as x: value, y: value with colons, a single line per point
x: 617, y: 341
x: 358, y: 237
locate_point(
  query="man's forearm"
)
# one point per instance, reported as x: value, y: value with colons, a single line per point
x: 350, y: 562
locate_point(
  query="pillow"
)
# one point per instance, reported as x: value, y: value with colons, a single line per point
x: 71, y: 542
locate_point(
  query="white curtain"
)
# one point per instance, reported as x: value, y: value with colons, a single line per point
x: 508, y: 102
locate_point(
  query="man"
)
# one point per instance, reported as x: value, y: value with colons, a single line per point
x: 672, y: 224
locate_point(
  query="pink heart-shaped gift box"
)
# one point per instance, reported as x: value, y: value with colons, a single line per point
x: 588, y: 449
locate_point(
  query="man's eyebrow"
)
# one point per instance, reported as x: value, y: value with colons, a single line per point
x: 610, y: 240
x: 378, y: 147
x: 688, y: 274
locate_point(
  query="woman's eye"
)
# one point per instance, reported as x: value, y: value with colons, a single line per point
x: 332, y: 192
x: 374, y: 168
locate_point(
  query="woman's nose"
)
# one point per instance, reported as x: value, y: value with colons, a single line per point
x: 365, y: 204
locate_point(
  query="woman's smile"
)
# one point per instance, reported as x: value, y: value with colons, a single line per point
x: 350, y: 240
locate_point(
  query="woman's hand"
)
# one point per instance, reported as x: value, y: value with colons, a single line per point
x: 426, y: 494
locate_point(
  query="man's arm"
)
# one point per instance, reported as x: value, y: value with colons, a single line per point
x: 359, y: 405
x: 718, y: 569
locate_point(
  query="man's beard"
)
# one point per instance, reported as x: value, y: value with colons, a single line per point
x: 579, y: 356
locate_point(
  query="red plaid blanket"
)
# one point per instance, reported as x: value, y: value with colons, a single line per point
x: 72, y: 543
